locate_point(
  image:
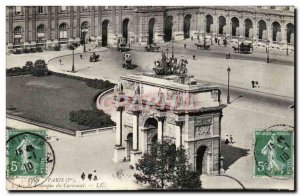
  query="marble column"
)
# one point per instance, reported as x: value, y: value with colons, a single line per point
x: 71, y: 22
x: 160, y: 128
x: 119, y: 126
x: 93, y: 21
x: 114, y: 19
x: 120, y: 22
x: 26, y: 24
x: 135, y: 129
x: 78, y: 23
x: 99, y: 37
x: 178, y: 133
x: 10, y: 26
x: 33, y: 23
x: 49, y: 23
x: 56, y: 25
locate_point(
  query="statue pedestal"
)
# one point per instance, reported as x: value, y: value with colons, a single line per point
x: 134, y: 157
x: 119, y: 154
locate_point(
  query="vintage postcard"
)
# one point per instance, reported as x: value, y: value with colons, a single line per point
x: 150, y: 98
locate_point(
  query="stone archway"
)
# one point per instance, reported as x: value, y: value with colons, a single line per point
x: 201, y: 160
x: 290, y: 30
x: 276, y: 29
x: 151, y: 125
x: 262, y: 28
x: 84, y: 31
x: 187, y: 26
x: 129, y: 145
x: 168, y: 26
x: 222, y: 23
x: 125, y: 27
x: 105, y: 32
x: 151, y: 30
x: 235, y: 23
x: 209, y: 21
x: 248, y: 28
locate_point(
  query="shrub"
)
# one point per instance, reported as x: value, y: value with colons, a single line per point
x: 91, y: 118
x: 100, y: 84
x: 33, y: 50
x: 39, y: 49
x: 40, y: 68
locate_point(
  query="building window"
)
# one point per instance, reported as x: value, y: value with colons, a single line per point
x: 63, y: 31
x: 40, y: 10
x: 63, y: 8
x: 85, y: 8
x: 106, y: 7
x: 287, y: 8
x: 40, y: 28
x: 273, y: 7
x: 18, y: 35
x: 18, y: 10
x: 259, y: 7
x: 125, y: 7
x: 17, y: 30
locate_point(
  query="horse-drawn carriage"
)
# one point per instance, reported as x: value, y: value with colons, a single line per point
x: 94, y: 57
x: 122, y: 45
x: 243, y: 48
x: 202, y: 46
x: 152, y: 48
x: 169, y: 66
x: 127, y: 58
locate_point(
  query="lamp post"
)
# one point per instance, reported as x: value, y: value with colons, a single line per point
x: 73, y: 65
x: 268, y: 55
x: 84, y: 30
x: 228, y: 96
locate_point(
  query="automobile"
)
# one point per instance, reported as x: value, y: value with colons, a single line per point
x: 127, y: 58
x: 94, y: 57
x: 122, y: 45
x: 152, y: 47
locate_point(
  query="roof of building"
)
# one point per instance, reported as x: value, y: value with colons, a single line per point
x: 171, y: 82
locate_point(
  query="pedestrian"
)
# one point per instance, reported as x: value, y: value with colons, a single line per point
x: 226, y: 140
x: 256, y: 84
x: 253, y: 84
x: 184, y: 45
x: 231, y: 139
x: 218, y: 42
x: 83, y: 176
x: 229, y: 55
x: 80, y: 56
x: 59, y: 62
x: 194, y: 57
x: 192, y: 38
x: 90, y: 176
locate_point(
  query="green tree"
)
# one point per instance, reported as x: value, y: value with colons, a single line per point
x: 165, y: 166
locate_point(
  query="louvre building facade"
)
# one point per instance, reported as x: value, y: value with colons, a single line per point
x: 45, y: 26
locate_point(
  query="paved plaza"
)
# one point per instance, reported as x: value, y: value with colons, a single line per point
x: 241, y: 117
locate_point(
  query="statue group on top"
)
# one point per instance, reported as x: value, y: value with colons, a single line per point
x: 170, y: 66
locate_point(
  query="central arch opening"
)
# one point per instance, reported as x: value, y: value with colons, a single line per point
x: 151, y: 125
x: 248, y: 28
x: 235, y: 24
x: 125, y: 29
x: 151, y: 30
x: 276, y: 32
x: 201, y: 160
x: 168, y: 26
x: 186, y: 26
x: 104, y: 32
x: 262, y: 29
x: 290, y: 33
x: 209, y: 22
x: 222, y: 23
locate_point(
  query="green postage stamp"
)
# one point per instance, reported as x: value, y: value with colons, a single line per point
x: 273, y: 153
x: 26, y: 153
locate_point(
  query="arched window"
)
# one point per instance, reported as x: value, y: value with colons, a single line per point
x: 41, y: 28
x: 18, y: 10
x: 18, y: 30
x: 63, y: 31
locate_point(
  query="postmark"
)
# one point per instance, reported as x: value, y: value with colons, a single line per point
x: 273, y: 153
x: 30, y: 159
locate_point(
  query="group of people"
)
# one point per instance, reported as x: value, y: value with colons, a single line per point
x: 89, y: 176
x: 172, y: 64
x: 229, y: 140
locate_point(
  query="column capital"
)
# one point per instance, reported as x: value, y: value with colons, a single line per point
x: 179, y: 123
x: 161, y: 118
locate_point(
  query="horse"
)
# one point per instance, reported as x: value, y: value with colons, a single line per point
x: 235, y: 49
